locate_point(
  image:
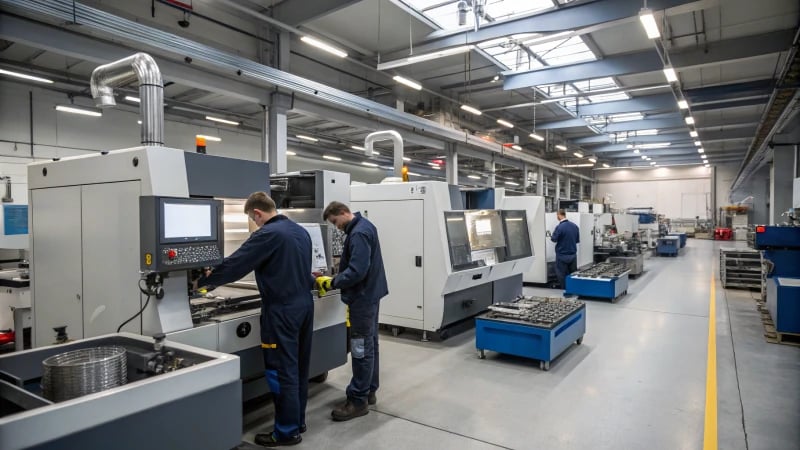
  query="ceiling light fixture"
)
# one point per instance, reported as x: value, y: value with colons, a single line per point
x: 217, y: 119
x: 209, y: 138
x: 689, y: 120
x: 593, y: 160
x: 474, y: 177
x: 698, y: 143
x: 516, y: 147
x: 368, y: 164
x: 636, y: 151
x: 563, y: 148
x: 669, y: 72
x: 553, y: 100
x: 323, y: 46
x: 424, y: 57
x: 358, y: 147
x: 306, y: 138
x: 578, y: 165
x: 644, y: 156
x: 332, y: 158
x: 683, y: 104
x: 649, y: 23
x: 536, y: 136
x: 290, y: 153
x: 407, y: 82
x: 406, y: 158
x: 652, y: 163
x: 471, y: 109
x: 693, y: 134
x: 511, y: 183
x: 700, y: 150
x: 79, y: 110
x: 133, y: 99
x: 606, y: 165
x: 25, y: 76
x: 414, y: 174
x: 505, y: 123
x: 578, y: 154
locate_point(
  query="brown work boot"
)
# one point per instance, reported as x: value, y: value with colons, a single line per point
x: 349, y: 411
x: 372, y: 399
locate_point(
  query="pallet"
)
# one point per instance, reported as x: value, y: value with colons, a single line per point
x: 773, y: 336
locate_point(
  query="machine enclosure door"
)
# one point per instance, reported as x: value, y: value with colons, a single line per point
x: 400, y: 230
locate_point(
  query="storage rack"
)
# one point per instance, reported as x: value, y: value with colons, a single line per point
x: 740, y: 268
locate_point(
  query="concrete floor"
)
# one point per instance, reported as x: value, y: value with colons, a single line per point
x: 638, y: 380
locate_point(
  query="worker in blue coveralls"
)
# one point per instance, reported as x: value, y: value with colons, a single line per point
x: 279, y: 252
x: 566, y: 236
x: 362, y: 280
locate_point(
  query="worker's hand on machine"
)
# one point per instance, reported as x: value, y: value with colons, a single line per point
x: 548, y: 234
x: 324, y: 284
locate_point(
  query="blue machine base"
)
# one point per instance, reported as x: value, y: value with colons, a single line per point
x: 783, y: 303
x: 606, y: 288
x: 529, y: 341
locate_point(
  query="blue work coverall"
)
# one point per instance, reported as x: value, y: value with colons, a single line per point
x: 566, y: 236
x: 280, y: 254
x: 362, y: 281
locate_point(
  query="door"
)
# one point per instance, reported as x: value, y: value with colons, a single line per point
x: 56, y: 263
x: 400, y: 230
x: 110, y: 219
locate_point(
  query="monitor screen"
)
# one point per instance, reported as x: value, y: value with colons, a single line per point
x: 183, y: 220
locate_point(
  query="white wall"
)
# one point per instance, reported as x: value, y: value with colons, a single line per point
x: 676, y: 192
x: 58, y: 134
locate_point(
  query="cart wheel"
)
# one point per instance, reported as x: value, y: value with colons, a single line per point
x: 395, y: 331
x: 544, y: 365
x: 481, y: 354
x: 579, y: 341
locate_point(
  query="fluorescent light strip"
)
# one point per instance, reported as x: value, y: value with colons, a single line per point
x: 474, y: 177
x: 592, y: 160
x: 25, y: 76
x: 406, y: 158
x: 644, y: 156
x: 689, y: 120
x: 553, y: 100
x: 653, y: 163
x: 606, y: 165
x: 516, y: 147
x: 414, y: 174
x: 563, y: 148
x: 536, y: 136
x: 217, y: 119
x: 358, y: 147
x: 505, y: 123
x: 700, y: 150
x: 424, y: 57
x: 693, y: 134
x: 332, y: 158
x: 209, y: 138
x: 323, y: 46
x: 306, y: 138
x: 290, y: 153
x: 649, y: 23
x: 77, y: 110
x: 133, y: 99
x: 578, y: 154
x: 407, y: 82
x: 669, y: 72
x: 511, y: 183
x: 471, y: 109
x: 368, y: 164
x: 578, y: 165
x: 636, y: 151
x: 698, y: 143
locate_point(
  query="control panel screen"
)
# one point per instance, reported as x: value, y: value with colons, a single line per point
x: 182, y: 220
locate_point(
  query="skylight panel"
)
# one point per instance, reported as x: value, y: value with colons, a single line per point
x: 567, y: 51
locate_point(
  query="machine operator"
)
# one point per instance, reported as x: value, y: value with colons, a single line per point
x: 362, y: 281
x: 566, y: 236
x: 279, y: 252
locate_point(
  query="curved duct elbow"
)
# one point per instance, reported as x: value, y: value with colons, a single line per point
x: 142, y: 68
x: 388, y: 135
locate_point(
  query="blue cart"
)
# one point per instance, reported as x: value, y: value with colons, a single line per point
x: 681, y: 236
x: 597, y: 287
x: 668, y: 246
x: 529, y: 340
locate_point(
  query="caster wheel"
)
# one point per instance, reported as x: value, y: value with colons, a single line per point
x: 320, y: 378
x: 481, y: 354
x: 579, y: 341
x: 544, y: 365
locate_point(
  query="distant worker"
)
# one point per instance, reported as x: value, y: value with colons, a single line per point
x: 279, y: 252
x: 566, y: 236
x: 362, y: 281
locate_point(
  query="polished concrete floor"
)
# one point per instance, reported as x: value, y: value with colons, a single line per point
x: 638, y: 381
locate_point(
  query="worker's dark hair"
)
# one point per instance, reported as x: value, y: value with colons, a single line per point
x: 562, y: 213
x: 260, y: 201
x: 335, y: 209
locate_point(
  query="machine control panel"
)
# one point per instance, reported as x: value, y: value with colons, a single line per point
x: 180, y: 233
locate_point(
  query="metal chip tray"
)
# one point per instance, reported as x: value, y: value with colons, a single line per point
x: 545, y: 312
x: 603, y: 270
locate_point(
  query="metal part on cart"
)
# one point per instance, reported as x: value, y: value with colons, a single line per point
x: 144, y: 412
x: 540, y: 311
x: 602, y: 270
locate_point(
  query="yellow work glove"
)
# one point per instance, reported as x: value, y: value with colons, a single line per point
x: 324, y: 284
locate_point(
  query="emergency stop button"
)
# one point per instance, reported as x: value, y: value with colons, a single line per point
x: 172, y: 253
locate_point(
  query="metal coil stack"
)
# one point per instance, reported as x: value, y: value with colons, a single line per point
x: 80, y: 372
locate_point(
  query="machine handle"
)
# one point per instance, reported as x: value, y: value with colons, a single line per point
x: 418, y: 261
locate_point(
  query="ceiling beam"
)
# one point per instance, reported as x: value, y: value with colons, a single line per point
x: 298, y: 12
x: 649, y: 60
x: 604, y: 139
x: 658, y: 102
x: 568, y: 123
x: 731, y: 91
x: 731, y: 104
x: 569, y: 17
x: 728, y: 135
x: 721, y: 122
x: 683, y: 147
x: 645, y: 124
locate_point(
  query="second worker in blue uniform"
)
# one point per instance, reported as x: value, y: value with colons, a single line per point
x: 567, y: 236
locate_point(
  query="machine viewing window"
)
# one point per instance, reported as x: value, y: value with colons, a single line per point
x: 518, y: 243
x: 457, y: 240
x: 188, y: 220
x: 485, y: 229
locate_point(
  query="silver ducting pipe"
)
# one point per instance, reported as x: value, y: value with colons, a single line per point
x: 139, y: 67
x: 388, y: 135
x: 7, y: 198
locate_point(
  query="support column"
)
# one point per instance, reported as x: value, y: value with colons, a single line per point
x: 265, y: 134
x: 525, y: 181
x: 568, y: 188
x: 540, y: 182
x: 280, y: 103
x: 452, y: 163
x: 558, y: 190
x: 284, y: 50
x: 781, y: 183
x: 490, y: 182
x: 580, y: 189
